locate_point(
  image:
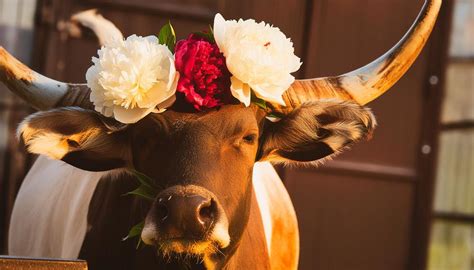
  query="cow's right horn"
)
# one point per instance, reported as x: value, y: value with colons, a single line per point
x: 40, y: 92
x: 368, y: 82
x: 43, y: 93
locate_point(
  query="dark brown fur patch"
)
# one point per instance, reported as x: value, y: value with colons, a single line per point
x: 87, y: 140
x: 316, y: 130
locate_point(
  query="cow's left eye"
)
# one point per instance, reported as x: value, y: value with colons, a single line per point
x: 250, y: 138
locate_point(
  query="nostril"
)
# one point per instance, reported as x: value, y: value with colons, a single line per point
x: 207, y: 212
x: 162, y: 211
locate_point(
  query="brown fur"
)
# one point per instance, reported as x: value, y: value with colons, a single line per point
x: 317, y: 131
x: 213, y: 150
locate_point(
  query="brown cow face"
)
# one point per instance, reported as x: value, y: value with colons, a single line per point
x: 204, y: 164
x: 202, y: 161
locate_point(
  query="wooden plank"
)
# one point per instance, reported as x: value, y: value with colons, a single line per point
x: 436, y: 65
x: 376, y: 171
x: 351, y: 222
x: 198, y: 10
x: 20, y: 263
x: 349, y: 34
x: 467, y: 219
x: 16, y: 35
x: 289, y: 16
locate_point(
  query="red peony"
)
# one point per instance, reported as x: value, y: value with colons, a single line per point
x: 204, y: 77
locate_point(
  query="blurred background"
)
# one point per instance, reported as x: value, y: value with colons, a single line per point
x: 404, y: 200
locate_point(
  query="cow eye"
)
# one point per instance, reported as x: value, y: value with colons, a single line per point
x: 250, y: 138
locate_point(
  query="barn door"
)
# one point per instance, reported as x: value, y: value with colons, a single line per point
x: 370, y: 207
x: 357, y: 212
x: 16, y: 35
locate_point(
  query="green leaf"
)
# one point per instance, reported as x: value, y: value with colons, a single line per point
x: 144, y: 179
x: 211, y: 31
x: 258, y: 101
x: 263, y: 104
x: 138, y: 243
x: 209, y: 36
x: 167, y: 36
x: 144, y: 191
x: 135, y: 231
x: 276, y: 115
x: 204, y: 36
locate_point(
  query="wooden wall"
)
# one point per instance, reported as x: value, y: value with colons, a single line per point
x: 16, y: 36
x: 360, y: 211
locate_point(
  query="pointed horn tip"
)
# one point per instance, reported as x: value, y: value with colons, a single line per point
x: 355, y: 85
x: 89, y: 12
x: 12, y: 69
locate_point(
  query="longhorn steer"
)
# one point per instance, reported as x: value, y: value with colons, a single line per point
x: 216, y: 208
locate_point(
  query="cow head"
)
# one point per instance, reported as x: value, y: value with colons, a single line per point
x: 203, y: 161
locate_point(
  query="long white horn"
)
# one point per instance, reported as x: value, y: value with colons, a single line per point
x: 43, y: 93
x: 369, y: 82
x: 104, y: 29
x: 39, y: 91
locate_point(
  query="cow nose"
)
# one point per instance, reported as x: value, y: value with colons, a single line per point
x: 185, y: 216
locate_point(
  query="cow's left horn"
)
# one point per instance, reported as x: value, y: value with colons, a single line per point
x: 104, y: 29
x: 369, y: 82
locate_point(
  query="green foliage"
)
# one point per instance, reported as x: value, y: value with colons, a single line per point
x: 167, y: 36
x: 146, y: 190
x: 144, y: 179
x: 263, y: 105
x: 258, y: 101
x: 135, y: 231
x: 207, y: 35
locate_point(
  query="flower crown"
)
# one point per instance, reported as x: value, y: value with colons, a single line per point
x: 235, y: 61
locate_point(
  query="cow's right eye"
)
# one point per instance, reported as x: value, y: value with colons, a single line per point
x: 250, y: 138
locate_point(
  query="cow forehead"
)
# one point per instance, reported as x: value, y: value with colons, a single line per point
x: 193, y: 138
x: 185, y: 143
x: 224, y: 121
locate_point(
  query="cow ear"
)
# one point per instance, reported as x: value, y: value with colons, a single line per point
x: 316, y: 131
x: 82, y: 138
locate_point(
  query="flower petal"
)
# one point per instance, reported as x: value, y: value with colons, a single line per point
x: 274, y: 95
x: 165, y: 104
x: 130, y: 116
x: 259, y: 55
x: 240, y: 90
x: 152, y: 38
x: 129, y: 78
x: 160, y: 92
x: 219, y: 31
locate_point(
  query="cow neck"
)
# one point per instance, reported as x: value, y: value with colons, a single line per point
x: 111, y: 215
x: 251, y: 252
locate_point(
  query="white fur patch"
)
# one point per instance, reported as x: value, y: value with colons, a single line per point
x: 49, y: 218
x: 261, y: 171
x: 149, y: 233
x: 55, y: 145
x: 275, y: 206
x: 220, y: 233
x: 49, y: 144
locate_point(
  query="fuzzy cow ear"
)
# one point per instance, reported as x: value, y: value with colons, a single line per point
x: 82, y: 138
x: 316, y: 131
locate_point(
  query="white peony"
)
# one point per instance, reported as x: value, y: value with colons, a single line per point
x: 132, y: 78
x: 259, y: 56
